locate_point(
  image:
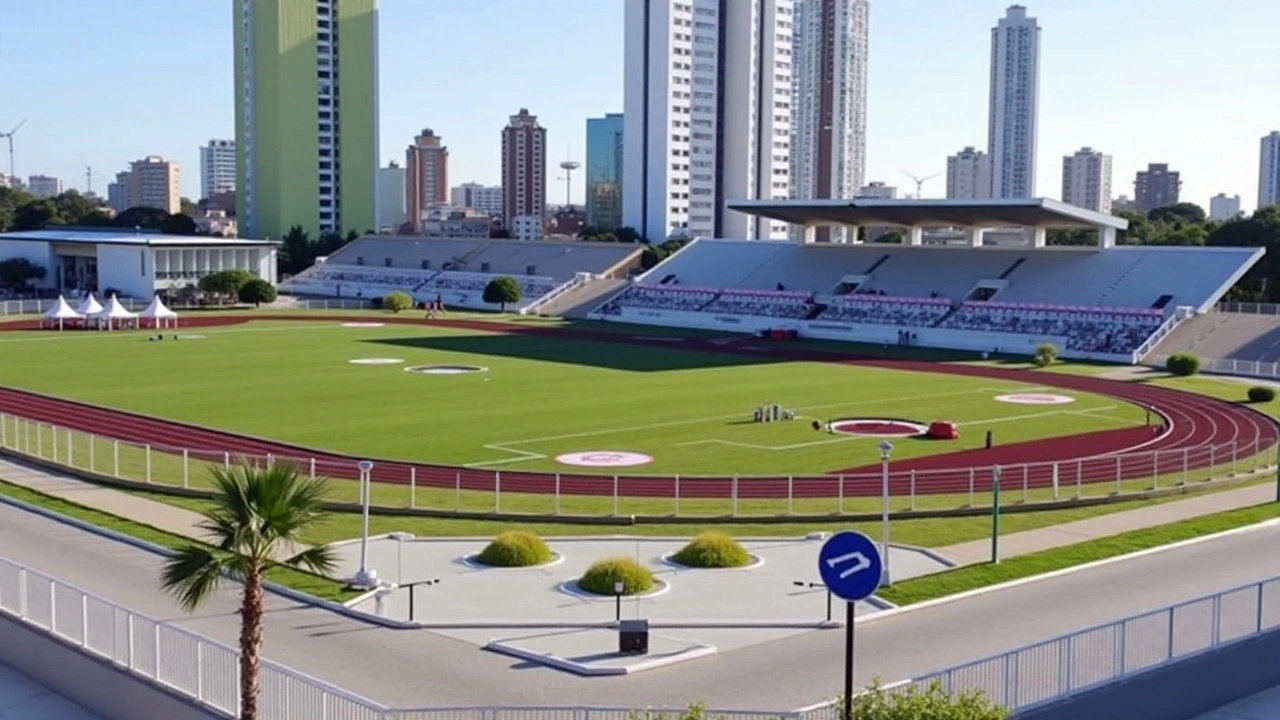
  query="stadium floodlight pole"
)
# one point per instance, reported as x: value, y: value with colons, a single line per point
x: 364, y: 576
x: 885, y: 447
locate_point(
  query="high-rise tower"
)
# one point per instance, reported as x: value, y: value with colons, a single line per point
x: 1015, y: 104
x: 306, y: 84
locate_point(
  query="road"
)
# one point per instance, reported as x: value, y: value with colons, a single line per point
x: 415, y: 668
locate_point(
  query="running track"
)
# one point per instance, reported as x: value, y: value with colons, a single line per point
x: 1199, y: 431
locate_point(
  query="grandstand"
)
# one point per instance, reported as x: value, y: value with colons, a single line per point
x: 1098, y: 302
x: 457, y: 270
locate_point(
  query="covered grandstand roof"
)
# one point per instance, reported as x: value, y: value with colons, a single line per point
x: 1010, y: 212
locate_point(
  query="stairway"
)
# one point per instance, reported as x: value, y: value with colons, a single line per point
x: 577, y: 303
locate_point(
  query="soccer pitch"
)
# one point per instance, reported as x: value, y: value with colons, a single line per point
x: 536, y: 397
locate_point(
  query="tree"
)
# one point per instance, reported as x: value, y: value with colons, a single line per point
x: 257, y: 291
x: 397, y: 301
x: 1183, y: 212
x: 1182, y: 364
x: 146, y: 218
x: 627, y: 234
x: 502, y: 290
x: 257, y: 516
x: 178, y: 224
x: 17, y: 273
x: 295, y: 251
x: 1046, y: 354
x: 36, y: 214
x: 225, y: 283
x: 916, y: 703
x: 188, y: 207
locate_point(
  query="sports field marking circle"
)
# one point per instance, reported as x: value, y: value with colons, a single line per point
x: 877, y: 427
x: 182, y: 336
x: 445, y: 369
x: 376, y: 361
x: 604, y: 459
x: 1035, y: 399
x: 363, y: 324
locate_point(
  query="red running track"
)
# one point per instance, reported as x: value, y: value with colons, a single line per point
x: 1200, y: 431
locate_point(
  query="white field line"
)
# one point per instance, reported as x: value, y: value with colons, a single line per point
x: 280, y: 326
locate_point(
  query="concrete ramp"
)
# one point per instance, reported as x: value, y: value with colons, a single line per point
x: 1226, y: 335
x: 576, y: 303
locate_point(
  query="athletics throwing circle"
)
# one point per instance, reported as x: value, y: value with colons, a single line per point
x: 363, y: 324
x: 446, y: 369
x: 604, y: 459
x: 1035, y: 399
x: 376, y: 361
x: 877, y: 427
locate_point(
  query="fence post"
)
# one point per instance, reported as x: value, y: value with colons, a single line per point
x: 840, y: 495
x: 413, y: 486
x: 1171, y: 631
x: 92, y: 442
x: 1155, y: 469
x: 913, y: 489
x: 791, y: 486
x: 1055, y: 481
x: 71, y: 443
x: 733, y: 498
x: 557, y: 495
x: 615, y: 495
x: 1026, y: 482
x: 313, y: 468
x: 200, y: 670
x: 115, y: 458
x: 970, y: 486
x: 186, y: 468
x: 226, y: 460
x: 146, y: 450
x: 457, y: 490
x: 3, y: 430
x: 53, y: 605
x: 84, y: 620
x: 1118, y: 474
x: 1186, y: 463
x: 128, y: 628
x: 40, y: 440
x: 53, y: 441
x: 497, y: 491
x: 1079, y: 478
x: 676, y: 504
x: 155, y: 641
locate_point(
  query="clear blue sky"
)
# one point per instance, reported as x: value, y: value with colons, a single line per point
x: 1178, y: 81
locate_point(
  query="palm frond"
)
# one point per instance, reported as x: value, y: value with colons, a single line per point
x: 192, y: 573
x: 320, y: 560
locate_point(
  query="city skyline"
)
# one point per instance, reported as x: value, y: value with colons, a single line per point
x: 1112, y: 100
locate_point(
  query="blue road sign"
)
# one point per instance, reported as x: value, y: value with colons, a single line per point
x: 850, y: 565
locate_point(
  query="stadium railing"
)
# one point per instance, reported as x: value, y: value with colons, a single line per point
x: 1227, y: 366
x: 1246, y: 308
x: 208, y: 672
x: 514, y: 493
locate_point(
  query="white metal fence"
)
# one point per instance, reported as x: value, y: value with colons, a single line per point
x: 35, y: 307
x: 438, y: 488
x: 1228, y: 366
x: 1248, y: 308
x: 1061, y: 667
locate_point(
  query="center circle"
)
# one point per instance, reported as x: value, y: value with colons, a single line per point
x: 604, y: 458
x: 446, y: 369
x: 1035, y: 399
x: 363, y: 324
x: 376, y: 361
x: 878, y: 427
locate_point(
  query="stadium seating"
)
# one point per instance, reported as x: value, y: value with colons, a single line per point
x: 677, y: 298
x: 886, y: 310
x: 1094, y: 330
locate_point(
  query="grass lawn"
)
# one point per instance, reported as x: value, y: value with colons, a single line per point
x: 540, y: 397
x: 313, y: 585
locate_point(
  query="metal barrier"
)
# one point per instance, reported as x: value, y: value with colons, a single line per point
x: 493, y: 491
x: 1061, y: 667
x: 1248, y: 308
x: 1227, y: 366
x: 35, y: 307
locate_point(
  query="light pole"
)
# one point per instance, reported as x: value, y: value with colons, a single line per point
x: 364, y: 576
x: 885, y: 447
x: 618, y: 587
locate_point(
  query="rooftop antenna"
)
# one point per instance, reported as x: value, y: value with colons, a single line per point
x: 568, y: 166
x: 9, y: 136
x: 920, y: 181
x: 88, y: 180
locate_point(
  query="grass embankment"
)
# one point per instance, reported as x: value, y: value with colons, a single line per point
x: 314, y: 585
x: 973, y: 577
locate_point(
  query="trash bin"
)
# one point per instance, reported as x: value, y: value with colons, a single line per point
x: 633, y: 637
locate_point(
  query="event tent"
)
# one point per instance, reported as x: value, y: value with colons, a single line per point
x: 114, y: 315
x: 60, y: 314
x: 89, y: 306
x: 159, y: 315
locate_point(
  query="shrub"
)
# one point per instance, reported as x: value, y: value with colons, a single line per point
x: 1261, y: 394
x: 257, y: 291
x: 515, y: 548
x: 1046, y: 355
x: 932, y: 703
x: 397, y: 301
x: 713, y: 550
x: 600, y: 577
x: 1182, y: 364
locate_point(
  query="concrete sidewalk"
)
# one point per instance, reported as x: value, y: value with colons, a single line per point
x: 185, y: 522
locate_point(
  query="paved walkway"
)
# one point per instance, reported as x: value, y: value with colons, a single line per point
x: 185, y: 522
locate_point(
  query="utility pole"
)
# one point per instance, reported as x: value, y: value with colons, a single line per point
x: 88, y: 180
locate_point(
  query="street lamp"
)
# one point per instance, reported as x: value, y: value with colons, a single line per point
x: 885, y: 447
x: 364, y: 576
x: 618, y: 587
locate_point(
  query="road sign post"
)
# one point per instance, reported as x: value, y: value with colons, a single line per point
x: 850, y: 565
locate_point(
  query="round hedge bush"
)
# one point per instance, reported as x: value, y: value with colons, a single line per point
x: 713, y: 550
x: 1182, y: 364
x: 1261, y: 394
x: 515, y: 548
x: 600, y: 577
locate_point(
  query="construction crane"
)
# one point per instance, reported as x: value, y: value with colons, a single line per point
x: 920, y: 181
x: 9, y: 136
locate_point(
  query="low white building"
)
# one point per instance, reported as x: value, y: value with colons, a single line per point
x: 527, y: 227
x: 136, y: 264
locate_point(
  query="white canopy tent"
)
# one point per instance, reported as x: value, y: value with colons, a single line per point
x: 61, y: 315
x: 113, y: 316
x: 158, y: 315
x: 89, y: 306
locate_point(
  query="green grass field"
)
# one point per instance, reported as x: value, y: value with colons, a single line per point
x: 292, y: 381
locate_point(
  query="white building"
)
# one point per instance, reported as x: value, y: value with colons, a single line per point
x: 707, y: 115
x: 1086, y: 180
x: 217, y: 167
x: 1015, y: 100
x: 137, y: 264
x: 44, y: 186
x: 969, y: 175
x: 878, y: 190
x: 527, y: 227
x: 1269, y: 171
x: 486, y: 199
x: 392, y: 211
x: 829, y: 101
x: 1224, y: 207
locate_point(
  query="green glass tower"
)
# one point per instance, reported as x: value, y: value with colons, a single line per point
x: 306, y: 116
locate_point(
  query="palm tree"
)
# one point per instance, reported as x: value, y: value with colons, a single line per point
x: 258, y: 515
